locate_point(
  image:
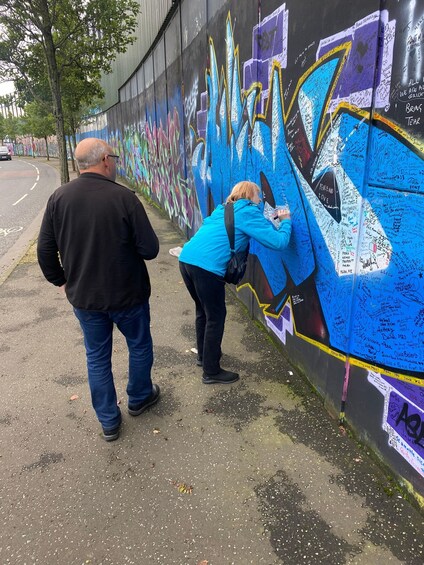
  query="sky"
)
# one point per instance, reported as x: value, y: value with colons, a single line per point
x: 6, y: 88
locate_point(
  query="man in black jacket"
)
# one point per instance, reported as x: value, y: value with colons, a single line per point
x: 94, y: 239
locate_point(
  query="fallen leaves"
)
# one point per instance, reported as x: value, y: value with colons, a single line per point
x: 183, y: 488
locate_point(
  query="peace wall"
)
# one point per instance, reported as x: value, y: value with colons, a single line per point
x: 322, y: 105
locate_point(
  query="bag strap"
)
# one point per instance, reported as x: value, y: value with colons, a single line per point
x: 229, y: 223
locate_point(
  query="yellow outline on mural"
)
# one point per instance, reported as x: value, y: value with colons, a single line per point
x: 386, y: 372
x: 345, y: 49
x: 342, y: 51
x: 198, y: 139
x: 223, y: 73
x: 330, y: 351
x: 365, y: 114
x: 263, y: 306
x: 419, y: 145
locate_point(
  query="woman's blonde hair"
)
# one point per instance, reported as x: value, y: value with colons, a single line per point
x: 243, y: 189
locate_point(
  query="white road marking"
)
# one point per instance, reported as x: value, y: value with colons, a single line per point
x: 7, y: 231
x: 22, y: 197
x: 38, y: 174
x: 33, y: 186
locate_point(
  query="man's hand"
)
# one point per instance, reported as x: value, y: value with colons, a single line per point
x: 62, y: 289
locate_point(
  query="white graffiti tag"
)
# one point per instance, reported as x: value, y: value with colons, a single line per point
x: 190, y: 101
x: 413, y: 47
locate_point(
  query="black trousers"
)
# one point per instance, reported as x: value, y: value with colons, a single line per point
x: 208, y: 292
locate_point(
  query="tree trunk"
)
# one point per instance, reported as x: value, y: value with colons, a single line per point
x: 54, y: 82
x: 74, y: 140
x: 47, y: 148
x: 71, y: 154
x: 72, y: 143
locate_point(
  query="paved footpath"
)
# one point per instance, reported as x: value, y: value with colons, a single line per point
x: 251, y: 473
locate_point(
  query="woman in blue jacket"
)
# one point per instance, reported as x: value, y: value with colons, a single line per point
x: 203, y: 263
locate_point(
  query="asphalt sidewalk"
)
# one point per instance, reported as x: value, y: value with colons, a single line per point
x: 251, y: 473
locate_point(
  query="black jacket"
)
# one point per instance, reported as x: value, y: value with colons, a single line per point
x: 103, y: 235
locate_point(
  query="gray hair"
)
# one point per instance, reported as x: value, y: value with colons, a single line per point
x: 90, y: 154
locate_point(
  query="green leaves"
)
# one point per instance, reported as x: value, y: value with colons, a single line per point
x: 56, y: 50
x: 38, y: 121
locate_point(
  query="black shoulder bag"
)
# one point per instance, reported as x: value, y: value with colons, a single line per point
x: 237, y: 264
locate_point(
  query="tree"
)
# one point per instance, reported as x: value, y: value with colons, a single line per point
x: 12, y: 127
x: 38, y: 122
x: 73, y: 121
x: 59, y: 39
x: 79, y: 97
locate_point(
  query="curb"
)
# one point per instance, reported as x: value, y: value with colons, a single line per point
x: 19, y: 249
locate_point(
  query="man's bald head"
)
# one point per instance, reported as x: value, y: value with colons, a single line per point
x: 90, y: 152
x: 94, y: 155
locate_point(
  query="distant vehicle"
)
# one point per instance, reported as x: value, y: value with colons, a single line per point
x: 5, y: 153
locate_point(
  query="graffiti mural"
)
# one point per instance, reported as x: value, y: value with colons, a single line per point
x: 33, y: 147
x: 403, y: 417
x: 326, y: 116
x: 165, y: 166
x: 351, y: 280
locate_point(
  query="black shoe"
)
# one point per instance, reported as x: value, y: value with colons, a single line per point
x: 223, y: 377
x: 137, y: 409
x: 113, y: 434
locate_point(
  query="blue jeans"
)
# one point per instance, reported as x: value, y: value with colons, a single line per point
x: 208, y: 292
x: 97, y: 327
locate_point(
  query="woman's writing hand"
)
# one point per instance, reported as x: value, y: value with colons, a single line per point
x: 282, y: 215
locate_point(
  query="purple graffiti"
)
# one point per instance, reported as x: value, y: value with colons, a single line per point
x: 202, y: 115
x: 269, y: 44
x: 356, y: 80
x: 407, y: 420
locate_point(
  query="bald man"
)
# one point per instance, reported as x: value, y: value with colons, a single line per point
x: 93, y: 243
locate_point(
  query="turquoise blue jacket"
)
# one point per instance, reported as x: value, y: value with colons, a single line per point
x: 209, y: 248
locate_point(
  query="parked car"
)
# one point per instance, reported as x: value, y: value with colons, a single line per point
x: 5, y: 153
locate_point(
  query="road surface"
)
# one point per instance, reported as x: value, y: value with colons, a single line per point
x: 25, y: 185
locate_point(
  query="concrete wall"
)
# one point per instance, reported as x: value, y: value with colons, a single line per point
x: 321, y: 104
